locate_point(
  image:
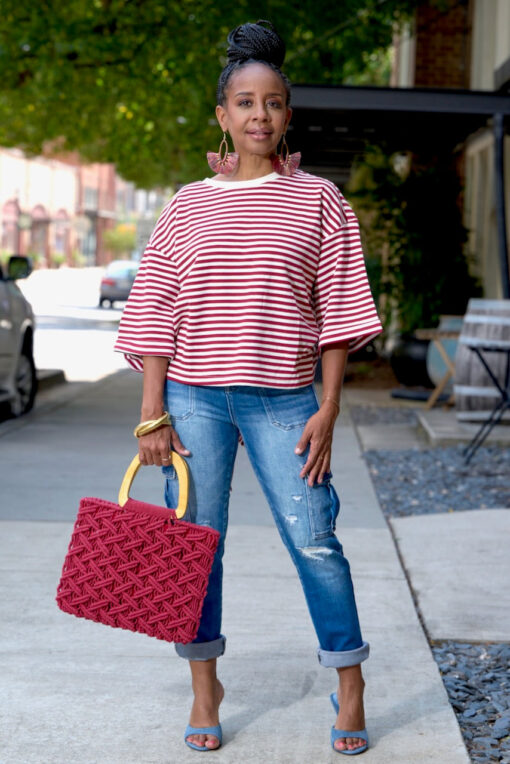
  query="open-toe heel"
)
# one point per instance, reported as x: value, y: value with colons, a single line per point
x: 336, y: 734
x: 216, y: 731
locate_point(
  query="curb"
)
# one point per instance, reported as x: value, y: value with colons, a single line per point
x: 47, y: 378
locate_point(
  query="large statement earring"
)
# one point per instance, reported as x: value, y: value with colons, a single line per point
x: 223, y: 162
x: 285, y: 163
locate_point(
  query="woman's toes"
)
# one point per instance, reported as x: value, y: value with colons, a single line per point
x: 197, y: 740
x: 340, y: 744
x: 204, y: 741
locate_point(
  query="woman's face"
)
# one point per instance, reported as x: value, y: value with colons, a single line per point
x: 255, y: 113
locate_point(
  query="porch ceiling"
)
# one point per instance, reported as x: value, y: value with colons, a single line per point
x: 331, y: 124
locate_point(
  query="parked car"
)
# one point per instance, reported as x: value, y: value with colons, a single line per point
x: 18, y: 377
x: 117, y: 281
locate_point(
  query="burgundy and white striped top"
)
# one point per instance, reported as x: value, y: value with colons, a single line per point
x: 242, y: 283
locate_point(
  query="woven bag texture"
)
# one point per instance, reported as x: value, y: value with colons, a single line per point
x: 133, y: 568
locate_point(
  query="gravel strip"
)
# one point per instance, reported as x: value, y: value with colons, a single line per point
x: 477, y: 680
x: 373, y: 415
x: 413, y: 482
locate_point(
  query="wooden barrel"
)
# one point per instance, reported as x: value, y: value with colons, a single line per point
x: 436, y: 366
x: 487, y: 322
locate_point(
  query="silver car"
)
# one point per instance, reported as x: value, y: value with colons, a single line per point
x: 18, y: 378
x: 117, y: 281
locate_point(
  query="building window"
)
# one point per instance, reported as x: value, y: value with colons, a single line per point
x: 90, y: 198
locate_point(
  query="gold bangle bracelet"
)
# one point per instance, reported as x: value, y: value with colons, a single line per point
x: 327, y: 398
x: 151, y: 424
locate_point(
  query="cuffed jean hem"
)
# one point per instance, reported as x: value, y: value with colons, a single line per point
x: 330, y: 659
x: 201, y: 651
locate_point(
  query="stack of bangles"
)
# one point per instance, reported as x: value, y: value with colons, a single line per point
x: 151, y: 424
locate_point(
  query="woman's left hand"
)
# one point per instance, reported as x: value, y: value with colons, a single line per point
x: 318, y: 431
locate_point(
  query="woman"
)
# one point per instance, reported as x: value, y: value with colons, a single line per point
x: 247, y: 277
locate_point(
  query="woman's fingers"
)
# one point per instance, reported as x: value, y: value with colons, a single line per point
x: 316, y: 467
x: 323, y: 465
x: 303, y: 441
x: 177, y: 445
x: 318, y: 432
x: 317, y: 463
x: 155, y: 447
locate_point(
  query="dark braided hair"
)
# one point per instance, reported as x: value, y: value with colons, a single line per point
x: 252, y: 43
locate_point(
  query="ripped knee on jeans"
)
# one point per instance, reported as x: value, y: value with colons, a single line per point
x: 318, y: 553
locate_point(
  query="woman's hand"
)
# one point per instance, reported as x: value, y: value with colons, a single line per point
x: 318, y: 431
x: 155, y: 447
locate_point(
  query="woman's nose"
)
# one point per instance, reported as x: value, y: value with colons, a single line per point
x: 260, y: 111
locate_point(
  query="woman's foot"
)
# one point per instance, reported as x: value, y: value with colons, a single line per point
x: 205, y: 711
x: 351, y: 715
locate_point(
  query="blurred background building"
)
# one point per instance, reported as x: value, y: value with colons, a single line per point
x: 57, y: 210
x: 467, y: 48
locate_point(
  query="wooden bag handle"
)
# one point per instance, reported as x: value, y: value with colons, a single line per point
x: 182, y: 475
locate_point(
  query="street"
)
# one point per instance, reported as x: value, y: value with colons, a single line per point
x: 72, y: 332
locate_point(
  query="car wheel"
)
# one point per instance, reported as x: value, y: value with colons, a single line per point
x: 26, y: 384
x: 101, y: 302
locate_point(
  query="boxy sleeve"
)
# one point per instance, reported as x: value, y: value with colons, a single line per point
x: 343, y: 301
x: 147, y: 326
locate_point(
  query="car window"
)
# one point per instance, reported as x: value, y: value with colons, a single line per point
x: 118, y: 268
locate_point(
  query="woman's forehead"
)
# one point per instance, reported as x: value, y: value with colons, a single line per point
x: 255, y: 77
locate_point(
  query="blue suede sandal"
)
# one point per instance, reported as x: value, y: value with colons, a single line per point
x: 216, y: 731
x: 336, y: 734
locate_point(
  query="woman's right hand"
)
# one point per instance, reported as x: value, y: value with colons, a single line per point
x: 155, y: 447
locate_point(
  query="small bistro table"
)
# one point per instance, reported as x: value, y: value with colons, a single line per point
x: 482, y: 347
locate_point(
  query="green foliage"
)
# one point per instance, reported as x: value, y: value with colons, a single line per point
x: 133, y: 82
x: 5, y: 254
x: 122, y: 239
x: 36, y: 258
x: 57, y: 259
x: 414, y: 237
x: 78, y: 259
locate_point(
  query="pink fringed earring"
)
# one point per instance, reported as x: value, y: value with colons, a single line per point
x: 285, y: 163
x: 225, y: 164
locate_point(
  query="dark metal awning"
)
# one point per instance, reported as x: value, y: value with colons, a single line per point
x: 332, y: 124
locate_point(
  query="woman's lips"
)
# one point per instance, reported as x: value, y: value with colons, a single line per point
x: 259, y: 135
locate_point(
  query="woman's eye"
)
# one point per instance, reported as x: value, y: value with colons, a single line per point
x: 271, y: 104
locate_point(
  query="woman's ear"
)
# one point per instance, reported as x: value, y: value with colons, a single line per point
x: 221, y: 116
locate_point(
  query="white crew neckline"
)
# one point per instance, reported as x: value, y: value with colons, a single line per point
x: 241, y: 183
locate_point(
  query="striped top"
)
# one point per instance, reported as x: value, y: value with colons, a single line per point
x: 242, y: 283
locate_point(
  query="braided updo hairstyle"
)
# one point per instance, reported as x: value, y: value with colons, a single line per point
x: 248, y: 44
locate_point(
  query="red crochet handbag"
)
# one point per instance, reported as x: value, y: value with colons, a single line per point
x: 138, y: 566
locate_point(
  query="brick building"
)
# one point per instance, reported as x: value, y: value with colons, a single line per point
x: 466, y: 46
x: 55, y: 207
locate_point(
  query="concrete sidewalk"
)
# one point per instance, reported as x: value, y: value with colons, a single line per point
x: 77, y: 692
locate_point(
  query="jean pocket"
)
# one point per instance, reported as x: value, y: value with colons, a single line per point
x: 323, y: 508
x: 288, y: 409
x: 179, y: 400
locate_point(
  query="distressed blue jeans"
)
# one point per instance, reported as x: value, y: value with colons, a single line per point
x: 208, y: 421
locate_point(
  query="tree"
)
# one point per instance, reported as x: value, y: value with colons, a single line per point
x: 133, y: 81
